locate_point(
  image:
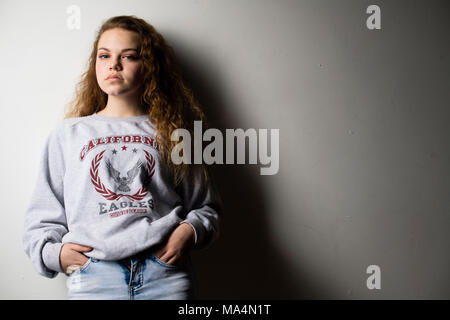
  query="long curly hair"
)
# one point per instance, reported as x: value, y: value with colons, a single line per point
x: 165, y: 97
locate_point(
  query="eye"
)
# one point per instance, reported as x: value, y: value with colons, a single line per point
x: 127, y: 57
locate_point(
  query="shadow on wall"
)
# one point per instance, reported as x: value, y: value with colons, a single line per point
x: 244, y: 262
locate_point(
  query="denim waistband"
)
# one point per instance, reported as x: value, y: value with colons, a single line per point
x: 142, y: 255
x: 145, y: 254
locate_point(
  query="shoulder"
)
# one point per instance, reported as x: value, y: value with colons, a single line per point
x: 68, y: 123
x: 63, y: 127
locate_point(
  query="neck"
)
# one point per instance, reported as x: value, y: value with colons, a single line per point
x: 122, y: 107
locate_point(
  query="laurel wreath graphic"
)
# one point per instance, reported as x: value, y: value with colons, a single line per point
x: 111, y: 195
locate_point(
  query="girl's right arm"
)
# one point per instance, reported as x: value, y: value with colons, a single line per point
x: 45, y: 219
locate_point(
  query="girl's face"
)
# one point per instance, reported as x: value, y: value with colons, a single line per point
x: 117, y: 55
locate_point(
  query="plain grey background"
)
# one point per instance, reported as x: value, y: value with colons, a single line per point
x: 364, y: 149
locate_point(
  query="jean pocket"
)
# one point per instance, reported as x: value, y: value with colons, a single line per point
x: 83, y: 267
x: 165, y: 264
x: 86, y: 264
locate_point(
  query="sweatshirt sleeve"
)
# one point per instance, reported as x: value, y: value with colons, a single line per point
x: 203, y: 205
x: 45, y: 219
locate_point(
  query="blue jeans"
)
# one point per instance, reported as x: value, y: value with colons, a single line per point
x: 141, y: 277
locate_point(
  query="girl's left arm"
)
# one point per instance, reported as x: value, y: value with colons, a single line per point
x: 203, y: 205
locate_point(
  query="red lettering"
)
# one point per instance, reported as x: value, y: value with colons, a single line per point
x: 90, y: 146
x: 82, y: 153
x: 117, y: 139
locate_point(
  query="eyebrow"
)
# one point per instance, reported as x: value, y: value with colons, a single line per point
x: 128, y: 49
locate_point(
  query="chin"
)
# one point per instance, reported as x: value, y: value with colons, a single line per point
x: 114, y: 92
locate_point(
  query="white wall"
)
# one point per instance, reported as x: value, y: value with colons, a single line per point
x: 363, y: 119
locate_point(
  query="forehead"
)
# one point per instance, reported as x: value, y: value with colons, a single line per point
x: 118, y: 38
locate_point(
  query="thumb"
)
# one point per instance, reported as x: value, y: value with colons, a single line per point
x: 81, y: 248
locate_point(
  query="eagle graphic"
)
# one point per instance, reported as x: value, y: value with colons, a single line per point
x: 123, y: 182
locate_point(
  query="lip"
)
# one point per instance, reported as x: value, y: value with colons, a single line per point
x: 113, y: 77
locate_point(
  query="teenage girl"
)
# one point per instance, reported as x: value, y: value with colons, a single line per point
x: 110, y: 209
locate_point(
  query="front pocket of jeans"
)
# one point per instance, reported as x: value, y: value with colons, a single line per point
x: 83, y: 267
x: 86, y: 264
x: 164, y: 264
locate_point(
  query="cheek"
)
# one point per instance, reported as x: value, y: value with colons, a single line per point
x: 100, y: 75
x: 133, y: 71
x: 99, y: 69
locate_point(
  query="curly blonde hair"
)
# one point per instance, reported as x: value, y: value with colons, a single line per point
x: 165, y: 97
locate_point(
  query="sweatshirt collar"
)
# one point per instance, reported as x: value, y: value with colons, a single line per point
x: 116, y: 119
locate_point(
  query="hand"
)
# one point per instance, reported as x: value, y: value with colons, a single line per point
x: 178, y: 245
x: 71, y: 254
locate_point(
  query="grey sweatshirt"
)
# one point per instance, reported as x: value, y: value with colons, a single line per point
x: 101, y: 183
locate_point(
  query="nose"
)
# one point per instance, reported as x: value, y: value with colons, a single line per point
x: 115, y: 65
